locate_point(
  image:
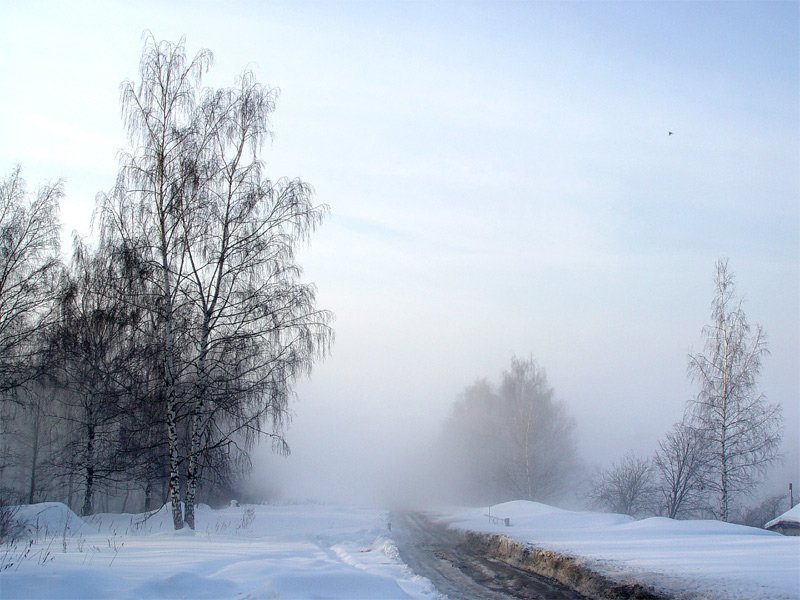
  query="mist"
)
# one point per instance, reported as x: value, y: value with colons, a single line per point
x: 502, y: 182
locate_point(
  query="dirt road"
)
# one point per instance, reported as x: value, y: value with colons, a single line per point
x: 460, y: 571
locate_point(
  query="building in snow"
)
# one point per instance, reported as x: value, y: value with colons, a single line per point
x: 788, y: 523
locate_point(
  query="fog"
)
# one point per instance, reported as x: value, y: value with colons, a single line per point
x: 502, y: 182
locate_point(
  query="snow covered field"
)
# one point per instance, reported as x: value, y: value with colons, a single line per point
x: 687, y: 559
x: 323, y: 551
x: 248, y: 552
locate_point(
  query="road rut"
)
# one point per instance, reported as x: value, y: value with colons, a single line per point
x: 463, y: 572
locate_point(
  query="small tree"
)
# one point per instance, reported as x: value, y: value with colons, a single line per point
x: 766, y: 510
x: 625, y: 488
x: 94, y: 342
x: 681, y: 463
x: 742, y: 431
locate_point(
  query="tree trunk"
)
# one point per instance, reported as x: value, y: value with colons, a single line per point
x: 87, y: 497
x: 197, y: 418
x: 174, y: 474
x: 726, y: 373
x: 172, y: 437
x: 125, y: 500
x: 169, y: 381
x: 191, y: 476
x: 35, y: 453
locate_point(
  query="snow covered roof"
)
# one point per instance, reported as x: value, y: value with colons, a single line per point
x: 790, y: 516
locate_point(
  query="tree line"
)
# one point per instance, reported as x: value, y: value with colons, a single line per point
x: 729, y: 435
x: 516, y: 441
x: 151, y: 363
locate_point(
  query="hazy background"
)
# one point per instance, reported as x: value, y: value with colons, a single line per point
x: 501, y: 181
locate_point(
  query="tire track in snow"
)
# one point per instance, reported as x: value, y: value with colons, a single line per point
x: 463, y: 573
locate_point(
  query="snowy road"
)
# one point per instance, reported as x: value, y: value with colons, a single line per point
x: 457, y: 570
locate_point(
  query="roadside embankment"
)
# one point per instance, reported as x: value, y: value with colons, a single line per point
x: 616, y: 556
x: 567, y: 570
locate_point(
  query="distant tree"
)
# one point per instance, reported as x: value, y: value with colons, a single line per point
x: 741, y: 430
x: 541, y: 450
x: 29, y: 267
x: 94, y: 338
x: 681, y: 464
x: 625, y: 488
x: 470, y: 452
x: 30, y: 443
x: 769, y: 508
x: 513, y: 442
x: 40, y: 438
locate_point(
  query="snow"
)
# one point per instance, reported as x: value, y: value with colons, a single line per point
x: 50, y: 518
x: 790, y: 516
x: 685, y: 559
x: 326, y: 551
x: 287, y: 551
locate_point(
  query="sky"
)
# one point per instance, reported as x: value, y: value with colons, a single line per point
x: 501, y: 181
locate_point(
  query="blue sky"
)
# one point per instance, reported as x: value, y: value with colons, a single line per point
x: 501, y: 181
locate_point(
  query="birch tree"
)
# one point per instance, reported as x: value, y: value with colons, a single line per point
x: 540, y: 451
x: 29, y: 266
x: 257, y: 327
x: 512, y: 441
x: 95, y: 342
x: 236, y: 326
x: 742, y: 430
x: 156, y: 184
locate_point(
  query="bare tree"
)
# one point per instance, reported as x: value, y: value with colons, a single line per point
x: 765, y: 511
x: 95, y: 344
x: 29, y: 236
x: 513, y: 442
x: 31, y: 442
x: 625, y: 488
x: 243, y: 283
x: 469, y: 450
x: 742, y: 430
x: 541, y: 449
x: 236, y: 326
x: 156, y: 184
x: 681, y: 463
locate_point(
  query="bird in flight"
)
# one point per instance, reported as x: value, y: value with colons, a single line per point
x: 670, y: 133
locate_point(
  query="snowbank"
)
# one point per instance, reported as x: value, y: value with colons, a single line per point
x: 322, y: 551
x: 47, y: 519
x: 683, y: 559
x: 300, y: 551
